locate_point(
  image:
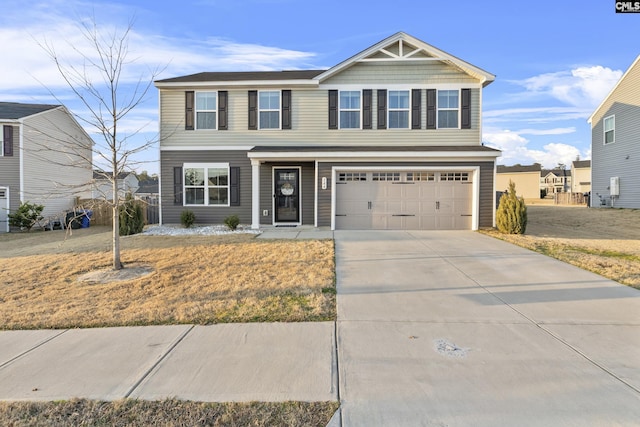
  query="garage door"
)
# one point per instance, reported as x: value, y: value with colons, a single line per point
x: 404, y: 200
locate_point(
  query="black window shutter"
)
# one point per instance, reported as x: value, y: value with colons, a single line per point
x: 223, y: 102
x: 465, y: 106
x: 286, y: 109
x: 416, y: 109
x: 7, y: 133
x: 333, y: 109
x: 253, y: 109
x: 382, y: 108
x: 367, y: 95
x: 431, y: 108
x: 188, y: 110
x: 177, y: 185
x: 234, y: 186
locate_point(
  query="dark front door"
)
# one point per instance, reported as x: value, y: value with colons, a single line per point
x: 287, y: 195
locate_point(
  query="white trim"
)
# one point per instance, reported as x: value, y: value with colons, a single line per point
x: 195, y: 110
x: 439, y: 168
x: 315, y: 203
x: 459, y: 109
x: 606, y: 98
x: 206, y: 167
x: 21, y: 191
x: 368, y: 155
x: 350, y: 109
x: 604, y: 129
x: 7, y: 206
x: 255, y: 194
x: 247, y: 83
x: 401, y: 86
x: 207, y: 148
x: 271, y: 110
x: 273, y: 191
x: 160, y: 162
x: 389, y: 110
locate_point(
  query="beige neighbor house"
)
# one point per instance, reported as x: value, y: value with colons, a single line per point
x: 581, y: 176
x: 45, y: 158
x: 554, y: 181
x: 526, y: 178
x: 387, y: 139
x: 615, y: 144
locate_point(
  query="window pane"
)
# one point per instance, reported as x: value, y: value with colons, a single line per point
x: 218, y: 196
x: 194, y: 177
x: 398, y: 119
x: 205, y: 100
x: 608, y: 124
x: 218, y: 176
x: 350, y: 100
x: 194, y: 196
x: 269, y: 100
x: 608, y: 137
x: 350, y: 119
x: 447, y: 99
x: 448, y: 119
x: 398, y: 99
x: 269, y: 119
x: 206, y: 121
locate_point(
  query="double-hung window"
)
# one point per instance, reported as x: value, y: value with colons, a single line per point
x: 350, y: 109
x: 609, y: 129
x: 206, y: 110
x: 448, y: 109
x: 399, y: 108
x: 269, y: 109
x: 206, y: 184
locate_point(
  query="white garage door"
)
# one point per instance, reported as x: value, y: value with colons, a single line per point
x: 404, y: 200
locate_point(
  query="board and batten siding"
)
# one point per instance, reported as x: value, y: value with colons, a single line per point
x: 309, y: 116
x: 486, y: 196
x: 10, y: 170
x: 204, y: 214
x: 307, y: 190
x: 618, y: 159
x: 57, y: 161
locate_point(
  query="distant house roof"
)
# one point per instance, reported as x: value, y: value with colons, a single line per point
x: 16, y: 110
x: 237, y: 76
x: 577, y: 164
x: 556, y: 172
x: 97, y: 174
x: 518, y: 168
x: 149, y: 186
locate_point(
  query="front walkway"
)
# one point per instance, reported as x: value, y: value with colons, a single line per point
x: 459, y: 329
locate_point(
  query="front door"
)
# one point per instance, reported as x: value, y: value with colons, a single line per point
x: 286, y: 186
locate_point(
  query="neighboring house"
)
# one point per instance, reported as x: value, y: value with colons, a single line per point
x: 45, y: 158
x: 102, y: 187
x: 555, y: 181
x: 388, y: 139
x: 526, y: 178
x: 148, y: 190
x: 615, y: 144
x: 581, y: 176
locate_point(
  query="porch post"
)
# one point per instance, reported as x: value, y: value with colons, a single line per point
x: 255, y: 194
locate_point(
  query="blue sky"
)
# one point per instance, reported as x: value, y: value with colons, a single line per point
x: 555, y: 61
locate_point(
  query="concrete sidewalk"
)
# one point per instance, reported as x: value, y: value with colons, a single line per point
x: 460, y: 329
x: 217, y: 363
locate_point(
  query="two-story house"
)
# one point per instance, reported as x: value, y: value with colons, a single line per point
x: 525, y: 177
x: 387, y: 139
x: 45, y: 158
x: 581, y: 176
x: 615, y: 144
x: 554, y: 181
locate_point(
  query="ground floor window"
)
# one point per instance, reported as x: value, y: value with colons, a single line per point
x: 206, y: 184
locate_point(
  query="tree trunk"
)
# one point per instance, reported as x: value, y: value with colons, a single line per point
x: 117, y: 265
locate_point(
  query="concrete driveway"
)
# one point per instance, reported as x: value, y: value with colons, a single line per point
x: 459, y: 329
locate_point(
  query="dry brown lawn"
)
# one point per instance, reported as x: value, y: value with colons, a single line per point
x: 605, y: 241
x: 82, y: 412
x: 193, y: 279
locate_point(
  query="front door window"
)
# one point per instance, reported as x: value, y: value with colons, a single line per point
x: 287, y: 199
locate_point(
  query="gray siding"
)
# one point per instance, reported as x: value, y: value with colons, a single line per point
x: 205, y: 214
x: 485, y: 210
x: 307, y: 179
x: 620, y: 158
x: 10, y: 171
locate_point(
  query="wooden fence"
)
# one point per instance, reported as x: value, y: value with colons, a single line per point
x: 102, y: 212
x: 570, y: 199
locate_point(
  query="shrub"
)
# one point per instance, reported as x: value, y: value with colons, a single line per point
x: 511, y: 216
x: 26, y: 216
x: 187, y: 218
x: 232, y: 221
x: 131, y: 217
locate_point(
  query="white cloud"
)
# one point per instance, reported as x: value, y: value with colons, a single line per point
x: 535, y: 114
x: 581, y: 87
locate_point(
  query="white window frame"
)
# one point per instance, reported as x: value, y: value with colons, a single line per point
x: 346, y: 110
x: 1, y: 141
x: 438, y: 108
x: 205, y: 167
x: 604, y: 129
x: 390, y: 110
x: 270, y: 110
x: 196, y: 110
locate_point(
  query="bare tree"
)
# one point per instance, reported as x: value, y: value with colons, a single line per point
x: 97, y: 81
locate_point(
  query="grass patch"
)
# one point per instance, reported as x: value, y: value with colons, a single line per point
x: 82, y: 412
x: 201, y: 280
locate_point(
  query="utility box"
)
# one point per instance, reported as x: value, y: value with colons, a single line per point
x: 614, y: 186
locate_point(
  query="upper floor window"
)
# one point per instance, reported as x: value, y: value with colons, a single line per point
x: 206, y: 110
x: 399, y: 108
x: 269, y: 109
x: 448, y: 108
x: 206, y: 184
x: 609, y: 129
x: 349, y: 109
